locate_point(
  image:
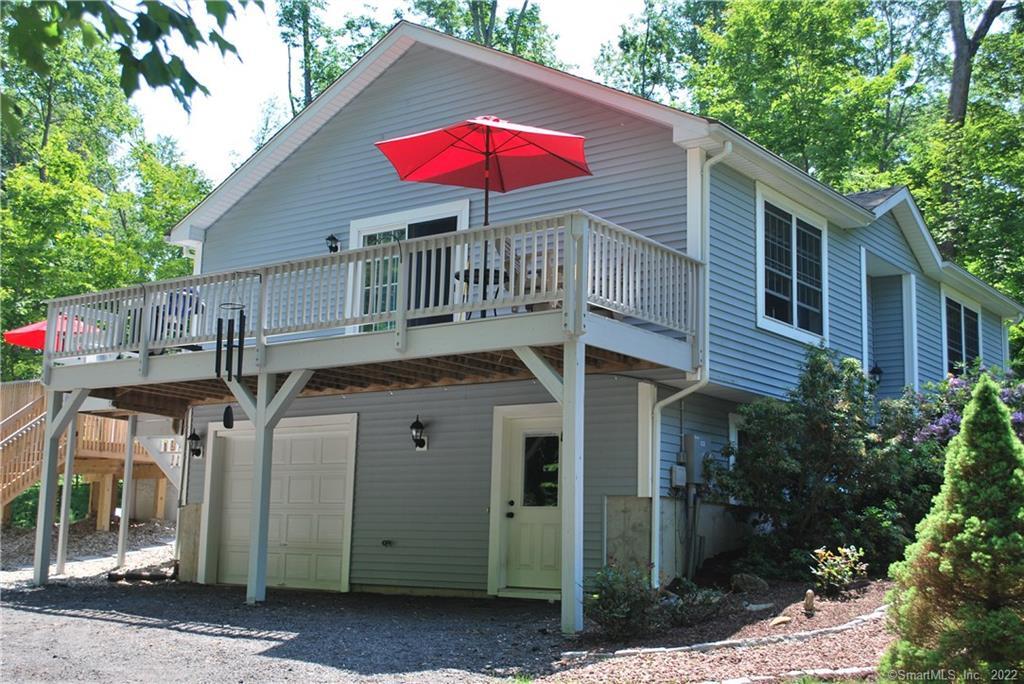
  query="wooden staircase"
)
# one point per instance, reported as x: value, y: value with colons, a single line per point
x: 22, y: 437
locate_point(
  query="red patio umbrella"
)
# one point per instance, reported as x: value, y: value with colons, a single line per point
x: 489, y: 153
x: 33, y: 335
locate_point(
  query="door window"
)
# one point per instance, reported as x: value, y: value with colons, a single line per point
x: 540, y: 470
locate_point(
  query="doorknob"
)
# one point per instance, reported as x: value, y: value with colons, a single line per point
x: 510, y: 514
x: 511, y: 502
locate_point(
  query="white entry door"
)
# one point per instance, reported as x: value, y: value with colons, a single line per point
x: 310, y: 504
x: 533, y: 519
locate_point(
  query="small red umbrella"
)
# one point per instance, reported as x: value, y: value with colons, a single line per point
x: 489, y: 153
x: 33, y: 335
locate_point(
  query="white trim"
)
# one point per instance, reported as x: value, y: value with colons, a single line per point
x: 370, y: 225
x: 865, y: 351
x: 401, y: 219
x: 1006, y: 323
x: 764, y: 193
x: 965, y: 302
x: 910, y: 363
x: 209, y: 532
x: 647, y: 395
x: 496, y: 548
x: 695, y: 157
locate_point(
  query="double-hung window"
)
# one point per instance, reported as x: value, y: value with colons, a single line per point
x: 792, y: 269
x: 962, y: 332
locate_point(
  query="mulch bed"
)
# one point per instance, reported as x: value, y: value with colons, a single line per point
x: 862, y: 646
x: 735, y: 622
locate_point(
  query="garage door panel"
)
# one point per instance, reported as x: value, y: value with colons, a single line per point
x: 335, y: 449
x: 305, y: 450
x: 278, y: 487
x: 332, y: 489
x: 235, y: 527
x: 238, y: 491
x: 308, y: 518
x: 301, y: 488
x: 328, y: 568
x: 300, y: 529
x: 274, y: 524
x: 330, y: 529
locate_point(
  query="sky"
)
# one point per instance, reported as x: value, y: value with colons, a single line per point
x: 217, y: 135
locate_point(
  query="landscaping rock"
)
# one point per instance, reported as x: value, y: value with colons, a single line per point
x: 746, y: 583
x: 781, y: 620
x: 758, y: 607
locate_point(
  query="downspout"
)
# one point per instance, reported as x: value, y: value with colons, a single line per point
x: 705, y: 374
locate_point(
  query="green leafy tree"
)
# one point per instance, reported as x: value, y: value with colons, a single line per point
x: 38, y: 27
x: 520, y: 31
x: 655, y: 54
x: 958, y: 603
x: 789, y: 76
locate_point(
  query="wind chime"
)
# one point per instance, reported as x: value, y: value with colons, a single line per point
x: 225, y: 354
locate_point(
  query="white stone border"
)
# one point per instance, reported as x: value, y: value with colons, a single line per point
x: 876, y: 614
x: 842, y: 673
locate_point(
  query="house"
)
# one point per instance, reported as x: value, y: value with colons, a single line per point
x: 639, y: 307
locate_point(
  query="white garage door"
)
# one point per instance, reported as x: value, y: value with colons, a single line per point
x: 310, y: 503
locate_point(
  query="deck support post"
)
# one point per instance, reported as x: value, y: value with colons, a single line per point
x: 59, y: 410
x: 571, y: 486
x: 65, y: 497
x: 265, y: 410
x: 127, y: 491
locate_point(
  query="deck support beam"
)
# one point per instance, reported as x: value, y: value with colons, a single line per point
x: 265, y: 410
x: 571, y: 486
x: 65, y: 497
x: 59, y: 411
x: 127, y: 491
x: 542, y: 370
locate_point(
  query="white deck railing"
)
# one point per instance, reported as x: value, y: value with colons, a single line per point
x: 535, y: 264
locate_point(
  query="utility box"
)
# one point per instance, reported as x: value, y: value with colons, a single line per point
x: 695, y: 447
x: 678, y: 476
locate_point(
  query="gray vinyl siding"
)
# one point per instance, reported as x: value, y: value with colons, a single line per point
x: 434, y: 505
x: 929, y: 331
x: 992, y: 339
x: 338, y: 175
x: 887, y: 334
x: 702, y: 415
x: 746, y: 357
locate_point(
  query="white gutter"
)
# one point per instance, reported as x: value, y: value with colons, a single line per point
x: 705, y: 370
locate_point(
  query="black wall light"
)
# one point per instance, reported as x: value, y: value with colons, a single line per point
x: 418, y: 438
x: 194, y: 447
x: 332, y: 243
x: 875, y: 374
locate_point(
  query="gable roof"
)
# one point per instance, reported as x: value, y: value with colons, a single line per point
x: 687, y: 129
x: 869, y: 199
x: 900, y: 202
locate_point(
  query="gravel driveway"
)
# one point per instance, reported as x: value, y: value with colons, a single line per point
x: 177, y: 632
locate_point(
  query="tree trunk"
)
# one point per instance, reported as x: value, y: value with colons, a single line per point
x: 291, y: 97
x: 964, y: 50
x: 519, y: 26
x: 306, y: 58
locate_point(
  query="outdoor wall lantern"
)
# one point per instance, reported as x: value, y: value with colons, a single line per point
x: 332, y: 243
x: 418, y: 438
x: 875, y: 374
x: 194, y: 447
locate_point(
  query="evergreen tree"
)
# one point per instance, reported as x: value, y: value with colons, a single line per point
x: 959, y: 598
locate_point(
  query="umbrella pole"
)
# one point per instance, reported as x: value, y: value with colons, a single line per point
x: 486, y: 272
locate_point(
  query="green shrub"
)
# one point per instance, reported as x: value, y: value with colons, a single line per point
x: 687, y: 604
x: 958, y: 603
x: 835, y: 571
x: 25, y: 506
x: 622, y: 603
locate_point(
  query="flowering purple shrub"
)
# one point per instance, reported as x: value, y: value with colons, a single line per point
x: 939, y: 407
